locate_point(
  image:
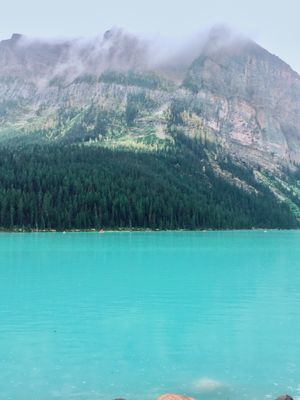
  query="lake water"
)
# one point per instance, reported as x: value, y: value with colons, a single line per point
x: 133, y: 315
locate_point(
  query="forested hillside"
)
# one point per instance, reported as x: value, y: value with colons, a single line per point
x: 85, y: 187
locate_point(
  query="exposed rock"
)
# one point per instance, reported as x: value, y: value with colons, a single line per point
x: 284, y: 397
x: 254, y: 96
x: 235, y: 93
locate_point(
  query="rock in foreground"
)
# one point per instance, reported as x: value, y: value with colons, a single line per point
x: 284, y: 397
x: 173, y: 396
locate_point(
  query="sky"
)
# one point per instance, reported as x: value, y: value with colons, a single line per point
x: 273, y: 24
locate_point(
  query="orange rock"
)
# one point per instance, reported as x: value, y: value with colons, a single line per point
x: 173, y: 396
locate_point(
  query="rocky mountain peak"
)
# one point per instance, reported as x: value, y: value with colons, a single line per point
x: 246, y: 98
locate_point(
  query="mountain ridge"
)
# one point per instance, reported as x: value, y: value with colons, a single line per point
x: 242, y: 94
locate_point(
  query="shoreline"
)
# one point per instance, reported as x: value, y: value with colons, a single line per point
x: 142, y: 230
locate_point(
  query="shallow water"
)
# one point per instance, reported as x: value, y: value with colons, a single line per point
x: 133, y: 315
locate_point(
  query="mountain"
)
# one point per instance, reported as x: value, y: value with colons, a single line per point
x: 232, y: 110
x: 251, y: 100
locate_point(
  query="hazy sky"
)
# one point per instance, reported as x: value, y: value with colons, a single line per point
x: 275, y: 24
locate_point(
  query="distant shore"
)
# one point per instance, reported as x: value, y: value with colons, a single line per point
x: 132, y: 230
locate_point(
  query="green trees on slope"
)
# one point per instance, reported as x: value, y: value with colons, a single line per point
x: 84, y: 187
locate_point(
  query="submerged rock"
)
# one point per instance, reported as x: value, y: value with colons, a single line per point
x: 206, y: 385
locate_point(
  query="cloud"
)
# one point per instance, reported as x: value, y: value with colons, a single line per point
x: 115, y: 50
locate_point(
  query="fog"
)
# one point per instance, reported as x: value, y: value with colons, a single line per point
x: 274, y: 25
x: 116, y: 49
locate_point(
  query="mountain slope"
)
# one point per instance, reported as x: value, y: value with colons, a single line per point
x: 74, y: 187
x: 245, y: 98
x: 253, y: 96
x: 236, y: 102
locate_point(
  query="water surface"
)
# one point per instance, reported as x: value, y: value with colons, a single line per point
x: 132, y: 315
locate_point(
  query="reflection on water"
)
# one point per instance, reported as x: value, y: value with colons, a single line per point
x: 134, y: 315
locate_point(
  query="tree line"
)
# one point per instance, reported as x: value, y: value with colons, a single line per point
x: 88, y: 187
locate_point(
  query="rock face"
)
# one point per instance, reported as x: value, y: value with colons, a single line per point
x: 252, y: 97
x: 235, y: 94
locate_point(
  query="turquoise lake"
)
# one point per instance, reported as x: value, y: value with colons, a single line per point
x: 214, y: 315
